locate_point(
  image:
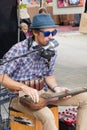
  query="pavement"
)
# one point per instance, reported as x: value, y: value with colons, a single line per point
x: 71, y: 63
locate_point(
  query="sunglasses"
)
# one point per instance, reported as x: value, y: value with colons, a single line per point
x: 47, y: 33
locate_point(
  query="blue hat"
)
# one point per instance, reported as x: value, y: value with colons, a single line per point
x: 42, y: 21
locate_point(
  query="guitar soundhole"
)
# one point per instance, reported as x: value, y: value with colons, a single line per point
x: 26, y: 96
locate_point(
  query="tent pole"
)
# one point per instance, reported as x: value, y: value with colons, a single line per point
x: 18, y: 15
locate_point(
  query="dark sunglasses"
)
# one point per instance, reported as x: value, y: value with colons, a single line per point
x: 47, y: 33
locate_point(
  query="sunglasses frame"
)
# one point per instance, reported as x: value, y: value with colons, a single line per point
x: 47, y: 33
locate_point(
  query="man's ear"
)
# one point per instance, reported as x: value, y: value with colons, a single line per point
x: 35, y: 32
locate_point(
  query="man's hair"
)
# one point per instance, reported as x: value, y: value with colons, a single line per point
x: 42, y: 10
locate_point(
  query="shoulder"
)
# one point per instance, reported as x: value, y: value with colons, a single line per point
x: 17, y: 49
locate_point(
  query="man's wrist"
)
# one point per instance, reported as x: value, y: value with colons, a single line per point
x: 54, y: 88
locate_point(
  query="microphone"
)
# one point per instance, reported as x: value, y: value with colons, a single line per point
x: 51, y: 44
x: 46, y: 51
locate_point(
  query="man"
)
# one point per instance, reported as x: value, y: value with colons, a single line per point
x: 34, y: 72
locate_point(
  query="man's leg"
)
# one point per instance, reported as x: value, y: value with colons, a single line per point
x: 45, y: 115
x: 79, y: 100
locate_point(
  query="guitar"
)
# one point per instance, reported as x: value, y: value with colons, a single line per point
x: 48, y: 98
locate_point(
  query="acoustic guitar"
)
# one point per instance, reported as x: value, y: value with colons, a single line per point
x: 48, y: 98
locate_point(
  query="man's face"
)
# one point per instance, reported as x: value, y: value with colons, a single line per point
x: 44, y: 35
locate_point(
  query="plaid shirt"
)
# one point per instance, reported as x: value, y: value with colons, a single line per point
x: 31, y: 66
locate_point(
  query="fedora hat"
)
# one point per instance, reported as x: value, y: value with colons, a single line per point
x: 42, y: 21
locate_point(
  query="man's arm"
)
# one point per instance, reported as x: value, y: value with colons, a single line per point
x: 7, y: 82
x: 51, y: 82
x: 15, y: 86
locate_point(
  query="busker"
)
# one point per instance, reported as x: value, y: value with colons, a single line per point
x: 34, y: 74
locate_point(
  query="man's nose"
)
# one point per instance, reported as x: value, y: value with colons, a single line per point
x: 50, y: 36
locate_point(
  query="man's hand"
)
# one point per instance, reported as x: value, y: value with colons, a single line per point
x: 33, y: 93
x: 60, y: 89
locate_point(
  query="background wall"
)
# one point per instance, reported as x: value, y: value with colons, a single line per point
x: 32, y: 10
x: 71, y: 10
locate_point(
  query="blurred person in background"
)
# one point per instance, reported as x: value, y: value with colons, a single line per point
x: 77, y: 20
x: 24, y: 31
x: 43, y: 10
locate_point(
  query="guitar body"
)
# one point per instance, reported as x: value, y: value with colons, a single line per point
x: 26, y: 101
x: 48, y: 98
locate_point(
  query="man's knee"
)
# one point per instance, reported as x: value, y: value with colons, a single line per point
x: 83, y: 98
x: 48, y: 118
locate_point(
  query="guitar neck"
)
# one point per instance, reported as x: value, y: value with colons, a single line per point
x: 64, y: 94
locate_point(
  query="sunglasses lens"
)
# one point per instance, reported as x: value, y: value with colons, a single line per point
x: 46, y: 34
x: 54, y: 32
